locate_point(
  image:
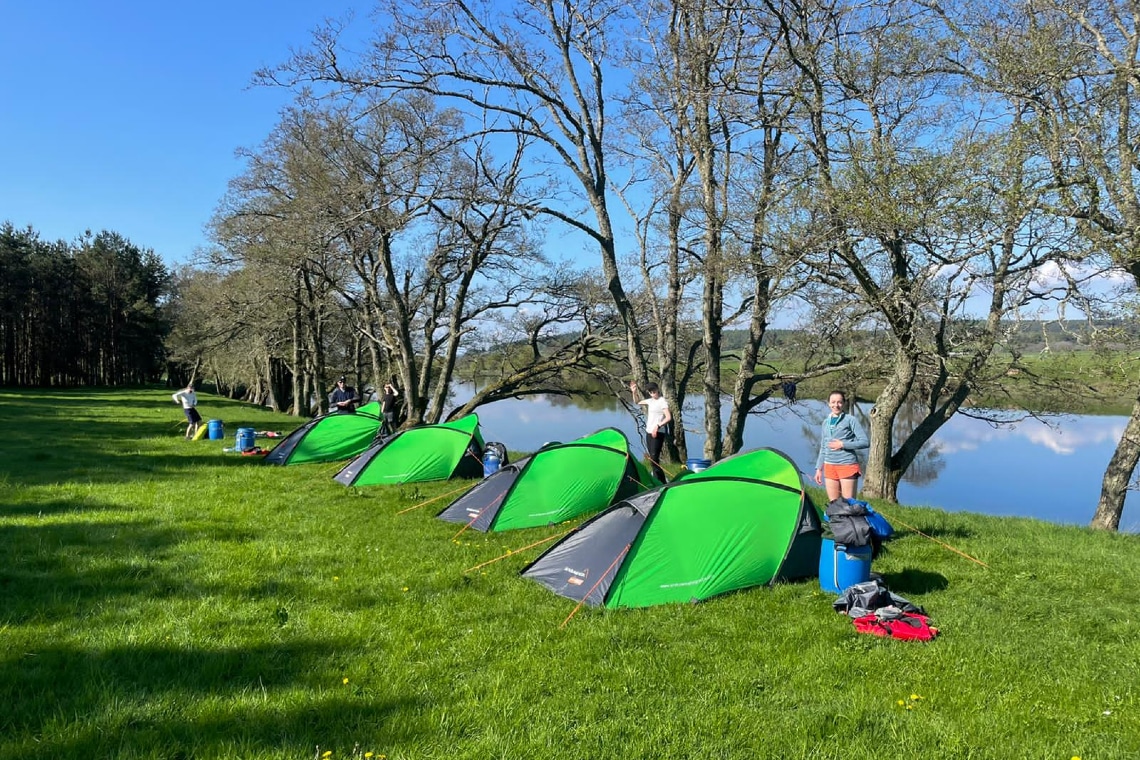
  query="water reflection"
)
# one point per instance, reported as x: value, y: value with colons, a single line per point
x: 970, y: 464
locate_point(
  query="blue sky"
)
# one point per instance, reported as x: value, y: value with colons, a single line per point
x: 125, y: 116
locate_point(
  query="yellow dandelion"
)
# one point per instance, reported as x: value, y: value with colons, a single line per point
x: 345, y: 681
x: 405, y: 588
x: 910, y: 707
x: 328, y: 753
x: 336, y: 577
x: 367, y: 755
x: 901, y: 703
x: 915, y: 697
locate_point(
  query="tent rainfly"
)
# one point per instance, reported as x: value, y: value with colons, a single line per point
x: 743, y: 522
x: 329, y: 438
x: 559, y: 482
x: 428, y: 452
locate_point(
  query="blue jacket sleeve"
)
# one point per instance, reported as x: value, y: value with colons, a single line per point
x: 861, y: 441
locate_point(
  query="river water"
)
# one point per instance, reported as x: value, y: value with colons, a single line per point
x: 1048, y: 468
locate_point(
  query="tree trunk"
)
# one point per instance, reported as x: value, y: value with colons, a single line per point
x: 300, y: 402
x: 1118, y: 474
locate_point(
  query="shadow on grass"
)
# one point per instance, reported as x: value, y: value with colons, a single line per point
x: 130, y: 701
x: 51, y: 508
x: 56, y: 572
x: 91, y: 461
x: 912, y: 581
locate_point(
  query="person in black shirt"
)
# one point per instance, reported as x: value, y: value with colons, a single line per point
x: 343, y: 398
x: 388, y: 407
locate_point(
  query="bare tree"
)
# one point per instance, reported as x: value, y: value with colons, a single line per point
x: 537, y: 68
x: 707, y: 118
x: 927, y: 203
x: 1077, y: 67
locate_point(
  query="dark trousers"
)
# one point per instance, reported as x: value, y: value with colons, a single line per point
x: 389, y: 425
x: 653, y: 444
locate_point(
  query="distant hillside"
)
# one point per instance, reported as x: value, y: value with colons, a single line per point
x: 1030, y: 337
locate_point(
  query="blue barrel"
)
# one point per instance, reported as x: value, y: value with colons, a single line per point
x: 696, y: 465
x: 841, y: 566
x: 246, y: 439
x: 491, y: 462
x: 216, y: 431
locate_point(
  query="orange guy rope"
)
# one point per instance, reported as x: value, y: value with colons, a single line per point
x: 479, y: 514
x: 429, y: 501
x: 511, y: 552
x: 932, y: 538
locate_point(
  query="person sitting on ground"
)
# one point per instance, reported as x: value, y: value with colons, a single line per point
x: 189, y: 400
x: 343, y: 398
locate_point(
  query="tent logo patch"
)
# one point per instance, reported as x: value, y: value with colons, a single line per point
x: 577, y: 577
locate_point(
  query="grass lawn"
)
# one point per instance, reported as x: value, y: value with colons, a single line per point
x: 162, y: 599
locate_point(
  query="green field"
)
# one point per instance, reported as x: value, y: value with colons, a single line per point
x: 162, y: 599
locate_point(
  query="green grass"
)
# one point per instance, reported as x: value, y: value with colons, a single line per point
x: 161, y: 599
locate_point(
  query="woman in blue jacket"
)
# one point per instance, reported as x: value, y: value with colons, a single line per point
x: 842, y: 436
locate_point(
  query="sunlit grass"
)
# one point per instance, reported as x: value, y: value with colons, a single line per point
x: 162, y: 599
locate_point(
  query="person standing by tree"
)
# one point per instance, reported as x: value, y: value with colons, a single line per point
x: 189, y: 400
x: 657, y: 416
x: 388, y: 408
x: 842, y: 436
x: 343, y: 398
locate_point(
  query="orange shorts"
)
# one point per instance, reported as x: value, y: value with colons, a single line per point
x: 840, y: 471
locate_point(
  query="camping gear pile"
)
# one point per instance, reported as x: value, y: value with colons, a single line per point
x: 874, y: 609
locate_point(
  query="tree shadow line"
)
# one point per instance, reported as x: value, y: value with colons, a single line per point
x: 58, y: 572
x: 72, y: 700
x: 126, y: 700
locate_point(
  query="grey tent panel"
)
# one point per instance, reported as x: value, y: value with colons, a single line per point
x: 351, y: 471
x: 280, y: 453
x: 583, y: 565
x: 477, y: 508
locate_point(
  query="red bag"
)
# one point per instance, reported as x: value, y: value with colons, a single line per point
x: 907, y: 626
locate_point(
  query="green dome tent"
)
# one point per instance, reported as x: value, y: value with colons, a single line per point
x: 559, y: 482
x: 428, y: 452
x: 329, y: 438
x: 743, y: 522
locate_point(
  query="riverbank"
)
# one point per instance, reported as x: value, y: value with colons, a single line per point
x: 163, y: 599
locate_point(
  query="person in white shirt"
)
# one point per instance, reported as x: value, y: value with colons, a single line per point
x: 657, y: 416
x: 189, y: 400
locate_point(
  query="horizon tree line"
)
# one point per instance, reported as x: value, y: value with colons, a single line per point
x: 91, y: 312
